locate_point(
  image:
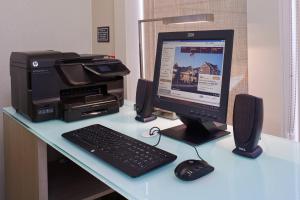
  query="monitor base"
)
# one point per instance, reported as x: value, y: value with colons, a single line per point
x: 202, y: 133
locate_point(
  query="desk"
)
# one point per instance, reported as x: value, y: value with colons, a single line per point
x: 274, y: 175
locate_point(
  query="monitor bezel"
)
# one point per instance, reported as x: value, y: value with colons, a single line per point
x: 187, y: 108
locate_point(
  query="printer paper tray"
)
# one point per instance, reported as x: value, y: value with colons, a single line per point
x: 76, y: 111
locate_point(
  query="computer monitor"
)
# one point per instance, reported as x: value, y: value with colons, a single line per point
x: 191, y: 78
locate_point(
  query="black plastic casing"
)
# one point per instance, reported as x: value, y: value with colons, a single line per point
x: 144, y: 101
x: 40, y: 93
x: 186, y: 108
x: 247, y: 123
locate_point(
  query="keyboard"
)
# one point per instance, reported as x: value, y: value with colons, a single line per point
x: 127, y: 154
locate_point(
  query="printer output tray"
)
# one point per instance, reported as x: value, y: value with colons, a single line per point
x: 90, y: 106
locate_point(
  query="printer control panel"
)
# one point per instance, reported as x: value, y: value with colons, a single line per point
x: 109, y: 67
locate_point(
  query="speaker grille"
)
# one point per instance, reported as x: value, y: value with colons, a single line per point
x: 243, y: 118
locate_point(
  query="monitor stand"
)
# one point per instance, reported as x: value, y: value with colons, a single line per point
x: 196, y: 132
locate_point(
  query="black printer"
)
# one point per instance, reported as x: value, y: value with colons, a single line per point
x: 54, y: 85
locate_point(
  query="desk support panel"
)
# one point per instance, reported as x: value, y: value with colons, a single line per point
x: 25, y: 158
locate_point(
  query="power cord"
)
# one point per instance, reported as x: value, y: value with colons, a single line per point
x: 197, y: 152
x: 155, y: 129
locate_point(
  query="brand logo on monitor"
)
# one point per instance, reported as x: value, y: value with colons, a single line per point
x: 191, y: 34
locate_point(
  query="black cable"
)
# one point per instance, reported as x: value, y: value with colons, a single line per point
x: 152, y: 132
x: 158, y: 139
x: 197, y: 152
x: 155, y: 129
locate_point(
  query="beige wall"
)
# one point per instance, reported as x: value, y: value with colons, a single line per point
x: 127, y: 14
x: 103, y: 15
x: 39, y: 25
x: 122, y: 17
x: 265, y: 70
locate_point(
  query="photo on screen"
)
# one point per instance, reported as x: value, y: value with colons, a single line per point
x: 192, y: 63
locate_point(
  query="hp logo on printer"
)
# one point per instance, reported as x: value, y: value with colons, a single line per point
x: 35, y: 64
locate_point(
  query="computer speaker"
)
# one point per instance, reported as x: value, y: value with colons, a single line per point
x: 247, y: 125
x: 144, y: 101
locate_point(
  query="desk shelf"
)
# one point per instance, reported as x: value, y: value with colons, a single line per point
x: 66, y: 180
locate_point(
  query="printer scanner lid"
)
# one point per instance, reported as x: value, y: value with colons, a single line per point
x: 90, y: 69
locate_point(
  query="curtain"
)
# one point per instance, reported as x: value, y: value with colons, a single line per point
x: 290, y: 40
x: 228, y: 14
x: 296, y: 64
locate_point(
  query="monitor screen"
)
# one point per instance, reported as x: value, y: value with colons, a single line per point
x: 191, y: 78
x: 191, y: 70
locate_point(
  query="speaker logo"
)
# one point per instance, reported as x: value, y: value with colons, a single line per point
x: 242, y: 149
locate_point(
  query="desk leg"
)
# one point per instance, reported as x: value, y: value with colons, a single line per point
x: 25, y: 163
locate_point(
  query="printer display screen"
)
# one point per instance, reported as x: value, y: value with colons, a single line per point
x: 108, y: 68
x: 103, y: 68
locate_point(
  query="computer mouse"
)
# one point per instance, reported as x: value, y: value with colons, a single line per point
x: 190, y: 170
